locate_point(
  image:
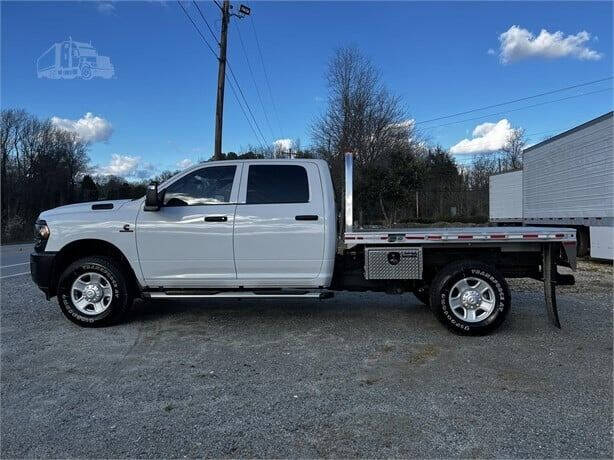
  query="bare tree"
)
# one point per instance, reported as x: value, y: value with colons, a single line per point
x: 482, y: 167
x: 363, y: 117
x: 512, y: 150
x: 39, y: 168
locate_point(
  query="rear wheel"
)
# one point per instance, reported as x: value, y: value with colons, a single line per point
x: 470, y: 297
x: 93, y: 291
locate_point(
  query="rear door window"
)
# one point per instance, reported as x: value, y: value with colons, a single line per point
x: 268, y: 184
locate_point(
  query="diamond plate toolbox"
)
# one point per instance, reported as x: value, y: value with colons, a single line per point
x: 396, y: 263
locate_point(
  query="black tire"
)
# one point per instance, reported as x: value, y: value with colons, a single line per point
x: 444, y: 283
x: 422, y: 293
x: 120, y: 298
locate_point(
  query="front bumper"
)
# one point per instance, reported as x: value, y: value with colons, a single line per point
x: 41, y: 269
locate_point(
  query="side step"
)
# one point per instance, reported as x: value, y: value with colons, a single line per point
x: 242, y: 294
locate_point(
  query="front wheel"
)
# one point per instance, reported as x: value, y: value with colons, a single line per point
x: 93, y: 292
x: 470, y: 298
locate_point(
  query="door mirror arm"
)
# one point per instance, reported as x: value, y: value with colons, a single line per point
x: 152, y: 198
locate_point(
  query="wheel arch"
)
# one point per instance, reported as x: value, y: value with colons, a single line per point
x: 90, y: 247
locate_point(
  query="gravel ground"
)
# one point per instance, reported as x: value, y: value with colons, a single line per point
x: 590, y: 276
x: 366, y: 375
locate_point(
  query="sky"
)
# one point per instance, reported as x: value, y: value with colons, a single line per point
x: 157, y: 110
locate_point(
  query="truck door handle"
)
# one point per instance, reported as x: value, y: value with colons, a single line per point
x: 306, y: 217
x: 216, y: 219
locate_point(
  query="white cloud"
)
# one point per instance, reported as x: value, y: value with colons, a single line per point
x: 106, y: 7
x: 185, y: 163
x: 89, y: 128
x: 518, y: 43
x: 127, y: 166
x: 487, y: 137
x: 490, y: 51
x: 284, y: 145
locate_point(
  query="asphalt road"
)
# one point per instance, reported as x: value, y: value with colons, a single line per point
x: 15, y: 260
x: 360, y: 375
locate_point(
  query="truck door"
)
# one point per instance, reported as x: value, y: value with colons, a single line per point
x: 188, y: 242
x: 279, y: 223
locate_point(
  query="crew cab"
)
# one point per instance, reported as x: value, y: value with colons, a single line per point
x: 268, y: 229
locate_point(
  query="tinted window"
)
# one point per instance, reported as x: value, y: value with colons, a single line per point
x: 277, y: 184
x: 204, y: 186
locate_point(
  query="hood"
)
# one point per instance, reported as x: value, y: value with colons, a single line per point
x: 89, y: 207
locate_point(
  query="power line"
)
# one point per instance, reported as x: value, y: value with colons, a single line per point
x: 206, y: 22
x: 266, y: 76
x: 232, y: 74
x: 217, y: 57
x: 198, y: 30
x: 247, y: 105
x: 255, y: 84
x: 515, y: 100
x: 234, y: 93
x: 520, y: 108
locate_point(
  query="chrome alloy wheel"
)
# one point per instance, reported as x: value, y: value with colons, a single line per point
x: 91, y: 293
x: 472, y: 299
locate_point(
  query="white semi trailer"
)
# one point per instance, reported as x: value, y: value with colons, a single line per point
x: 566, y: 180
x: 505, y: 197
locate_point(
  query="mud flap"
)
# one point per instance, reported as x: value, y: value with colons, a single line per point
x: 549, y: 274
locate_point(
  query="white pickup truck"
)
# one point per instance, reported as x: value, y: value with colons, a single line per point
x: 268, y: 229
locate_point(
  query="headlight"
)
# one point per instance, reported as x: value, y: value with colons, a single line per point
x: 41, y: 229
x: 41, y: 235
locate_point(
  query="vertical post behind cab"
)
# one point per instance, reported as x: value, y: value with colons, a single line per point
x: 549, y: 274
x: 349, y: 217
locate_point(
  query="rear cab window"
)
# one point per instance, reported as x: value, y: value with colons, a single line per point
x: 271, y: 184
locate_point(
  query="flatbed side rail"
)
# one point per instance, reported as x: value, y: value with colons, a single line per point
x: 463, y: 235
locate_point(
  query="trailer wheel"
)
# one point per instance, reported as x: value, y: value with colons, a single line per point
x: 470, y: 297
x: 93, y: 292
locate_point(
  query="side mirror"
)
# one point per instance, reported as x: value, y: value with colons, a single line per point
x: 152, y: 200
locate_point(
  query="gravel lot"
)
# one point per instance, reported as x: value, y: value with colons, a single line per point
x: 365, y: 375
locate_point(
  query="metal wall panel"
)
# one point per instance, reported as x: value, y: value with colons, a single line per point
x: 571, y: 176
x: 505, y: 196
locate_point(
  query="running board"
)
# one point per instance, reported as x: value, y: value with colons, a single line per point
x: 275, y: 294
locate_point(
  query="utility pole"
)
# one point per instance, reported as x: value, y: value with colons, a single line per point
x: 221, y: 74
x: 221, y: 81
